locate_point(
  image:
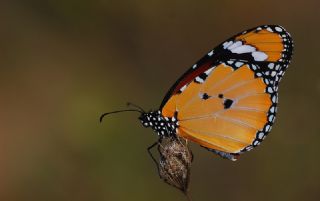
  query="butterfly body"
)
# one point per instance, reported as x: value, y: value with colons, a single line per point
x: 163, y: 126
x: 227, y: 101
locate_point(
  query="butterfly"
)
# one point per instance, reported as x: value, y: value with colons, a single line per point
x: 227, y: 101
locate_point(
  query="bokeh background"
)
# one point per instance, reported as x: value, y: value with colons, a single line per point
x: 64, y: 62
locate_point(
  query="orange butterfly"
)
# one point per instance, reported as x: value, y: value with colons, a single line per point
x: 227, y: 101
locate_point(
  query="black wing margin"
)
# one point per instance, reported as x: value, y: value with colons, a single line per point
x: 269, y: 47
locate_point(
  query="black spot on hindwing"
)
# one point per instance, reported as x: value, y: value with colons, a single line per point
x: 205, y: 96
x: 227, y: 103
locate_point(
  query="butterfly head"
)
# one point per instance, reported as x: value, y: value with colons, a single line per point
x: 150, y: 119
x: 163, y: 126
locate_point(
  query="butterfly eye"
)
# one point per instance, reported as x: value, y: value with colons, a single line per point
x: 145, y: 120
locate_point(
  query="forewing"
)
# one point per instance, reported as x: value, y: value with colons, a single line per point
x: 268, y: 46
x: 227, y: 101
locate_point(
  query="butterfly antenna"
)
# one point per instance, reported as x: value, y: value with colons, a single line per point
x: 118, y: 111
x: 136, y: 106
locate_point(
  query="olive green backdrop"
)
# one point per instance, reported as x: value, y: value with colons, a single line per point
x: 64, y: 62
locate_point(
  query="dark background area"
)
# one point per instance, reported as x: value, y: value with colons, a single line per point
x: 64, y: 62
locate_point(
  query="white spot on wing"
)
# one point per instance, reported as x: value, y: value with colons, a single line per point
x: 207, y: 72
x: 274, y: 99
x: 272, y: 110
x: 271, y: 65
x: 267, y: 128
x: 235, y: 45
x: 210, y: 53
x: 260, y: 136
x: 279, y: 29
x: 238, y: 64
x: 227, y: 44
x: 254, y: 67
x: 198, y: 79
x: 270, y: 90
x: 249, y: 148
x: 281, y: 72
x: 259, y: 56
x: 243, y: 49
x: 269, y: 29
x: 183, y: 88
x: 271, y: 117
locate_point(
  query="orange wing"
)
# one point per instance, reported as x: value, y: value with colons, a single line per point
x: 225, y: 112
x: 227, y: 101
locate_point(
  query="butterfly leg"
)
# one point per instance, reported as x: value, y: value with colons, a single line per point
x: 150, y: 153
x: 225, y: 155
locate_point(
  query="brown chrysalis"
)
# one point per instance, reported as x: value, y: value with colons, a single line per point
x: 175, y: 162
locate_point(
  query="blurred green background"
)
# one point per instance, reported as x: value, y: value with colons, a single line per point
x: 64, y: 62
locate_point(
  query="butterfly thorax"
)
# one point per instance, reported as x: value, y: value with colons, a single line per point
x: 163, y: 126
